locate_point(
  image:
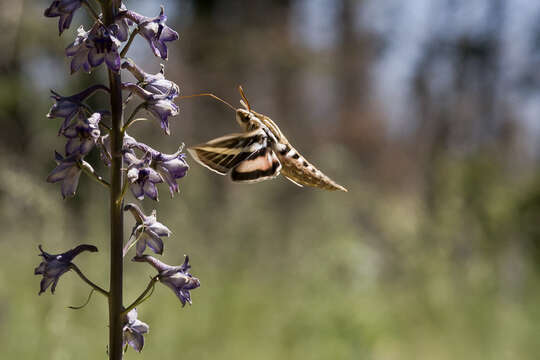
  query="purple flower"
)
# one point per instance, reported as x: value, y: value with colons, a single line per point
x: 53, y: 266
x: 170, y: 166
x: 142, y: 177
x: 79, y: 50
x: 147, y: 231
x: 177, y: 278
x: 83, y: 134
x: 161, y: 106
x: 68, y: 171
x: 68, y: 106
x: 156, y: 84
x: 123, y: 23
x: 133, y: 331
x: 65, y: 10
x: 92, y: 48
x: 154, y: 31
x: 104, y: 47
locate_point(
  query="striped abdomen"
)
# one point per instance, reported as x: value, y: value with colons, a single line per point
x: 297, y: 169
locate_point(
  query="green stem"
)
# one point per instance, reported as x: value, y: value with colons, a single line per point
x: 124, y: 51
x: 132, y: 118
x: 142, y: 298
x: 88, y: 281
x: 110, y: 11
x: 124, y: 189
x: 132, y: 241
x: 87, y: 168
x: 94, y: 13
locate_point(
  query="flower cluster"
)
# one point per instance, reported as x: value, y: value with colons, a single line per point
x: 107, y: 42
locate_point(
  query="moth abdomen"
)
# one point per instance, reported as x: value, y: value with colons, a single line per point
x: 300, y: 171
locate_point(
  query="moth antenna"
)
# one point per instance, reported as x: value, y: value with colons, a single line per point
x: 244, y: 97
x: 208, y: 94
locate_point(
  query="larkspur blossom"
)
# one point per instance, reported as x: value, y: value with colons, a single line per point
x: 156, y: 84
x: 123, y: 24
x: 79, y: 51
x: 82, y: 134
x: 53, y: 266
x: 161, y: 106
x: 92, y: 48
x: 64, y: 9
x: 154, y: 30
x: 142, y: 177
x: 133, y: 331
x: 68, y: 172
x: 147, y: 231
x: 170, y: 166
x: 68, y: 106
x: 104, y: 47
x: 177, y: 278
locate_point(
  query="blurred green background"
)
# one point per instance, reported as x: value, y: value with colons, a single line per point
x: 427, y: 111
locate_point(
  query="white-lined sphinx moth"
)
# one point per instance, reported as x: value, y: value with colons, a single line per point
x: 261, y: 152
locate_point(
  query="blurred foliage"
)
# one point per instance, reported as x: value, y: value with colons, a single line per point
x: 433, y: 253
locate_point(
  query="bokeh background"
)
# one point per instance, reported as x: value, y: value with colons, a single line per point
x: 427, y: 111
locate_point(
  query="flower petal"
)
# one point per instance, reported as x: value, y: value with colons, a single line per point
x: 70, y: 183
x: 95, y: 58
x: 137, y: 191
x: 150, y: 190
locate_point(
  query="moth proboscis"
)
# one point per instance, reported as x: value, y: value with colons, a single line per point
x: 259, y: 153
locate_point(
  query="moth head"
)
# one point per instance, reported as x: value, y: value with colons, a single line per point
x: 243, y: 118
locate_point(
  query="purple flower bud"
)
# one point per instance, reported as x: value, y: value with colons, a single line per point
x: 133, y: 331
x: 53, y: 266
x: 68, y: 171
x: 65, y: 10
x: 68, y: 106
x: 161, y: 106
x: 91, y: 48
x: 177, y: 278
x: 83, y: 134
x: 142, y: 177
x: 147, y: 231
x: 155, y: 84
x: 154, y: 31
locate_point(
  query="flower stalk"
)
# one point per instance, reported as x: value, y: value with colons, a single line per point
x: 142, y: 298
x: 89, y: 170
x: 128, y: 44
x: 132, y: 117
x: 88, y: 281
x: 110, y: 10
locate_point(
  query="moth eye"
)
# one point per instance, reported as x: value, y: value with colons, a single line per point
x: 242, y: 117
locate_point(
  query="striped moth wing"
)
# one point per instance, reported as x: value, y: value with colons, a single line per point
x: 261, y: 165
x: 247, y: 156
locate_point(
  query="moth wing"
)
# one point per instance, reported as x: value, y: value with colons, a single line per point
x: 224, y: 153
x: 261, y: 165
